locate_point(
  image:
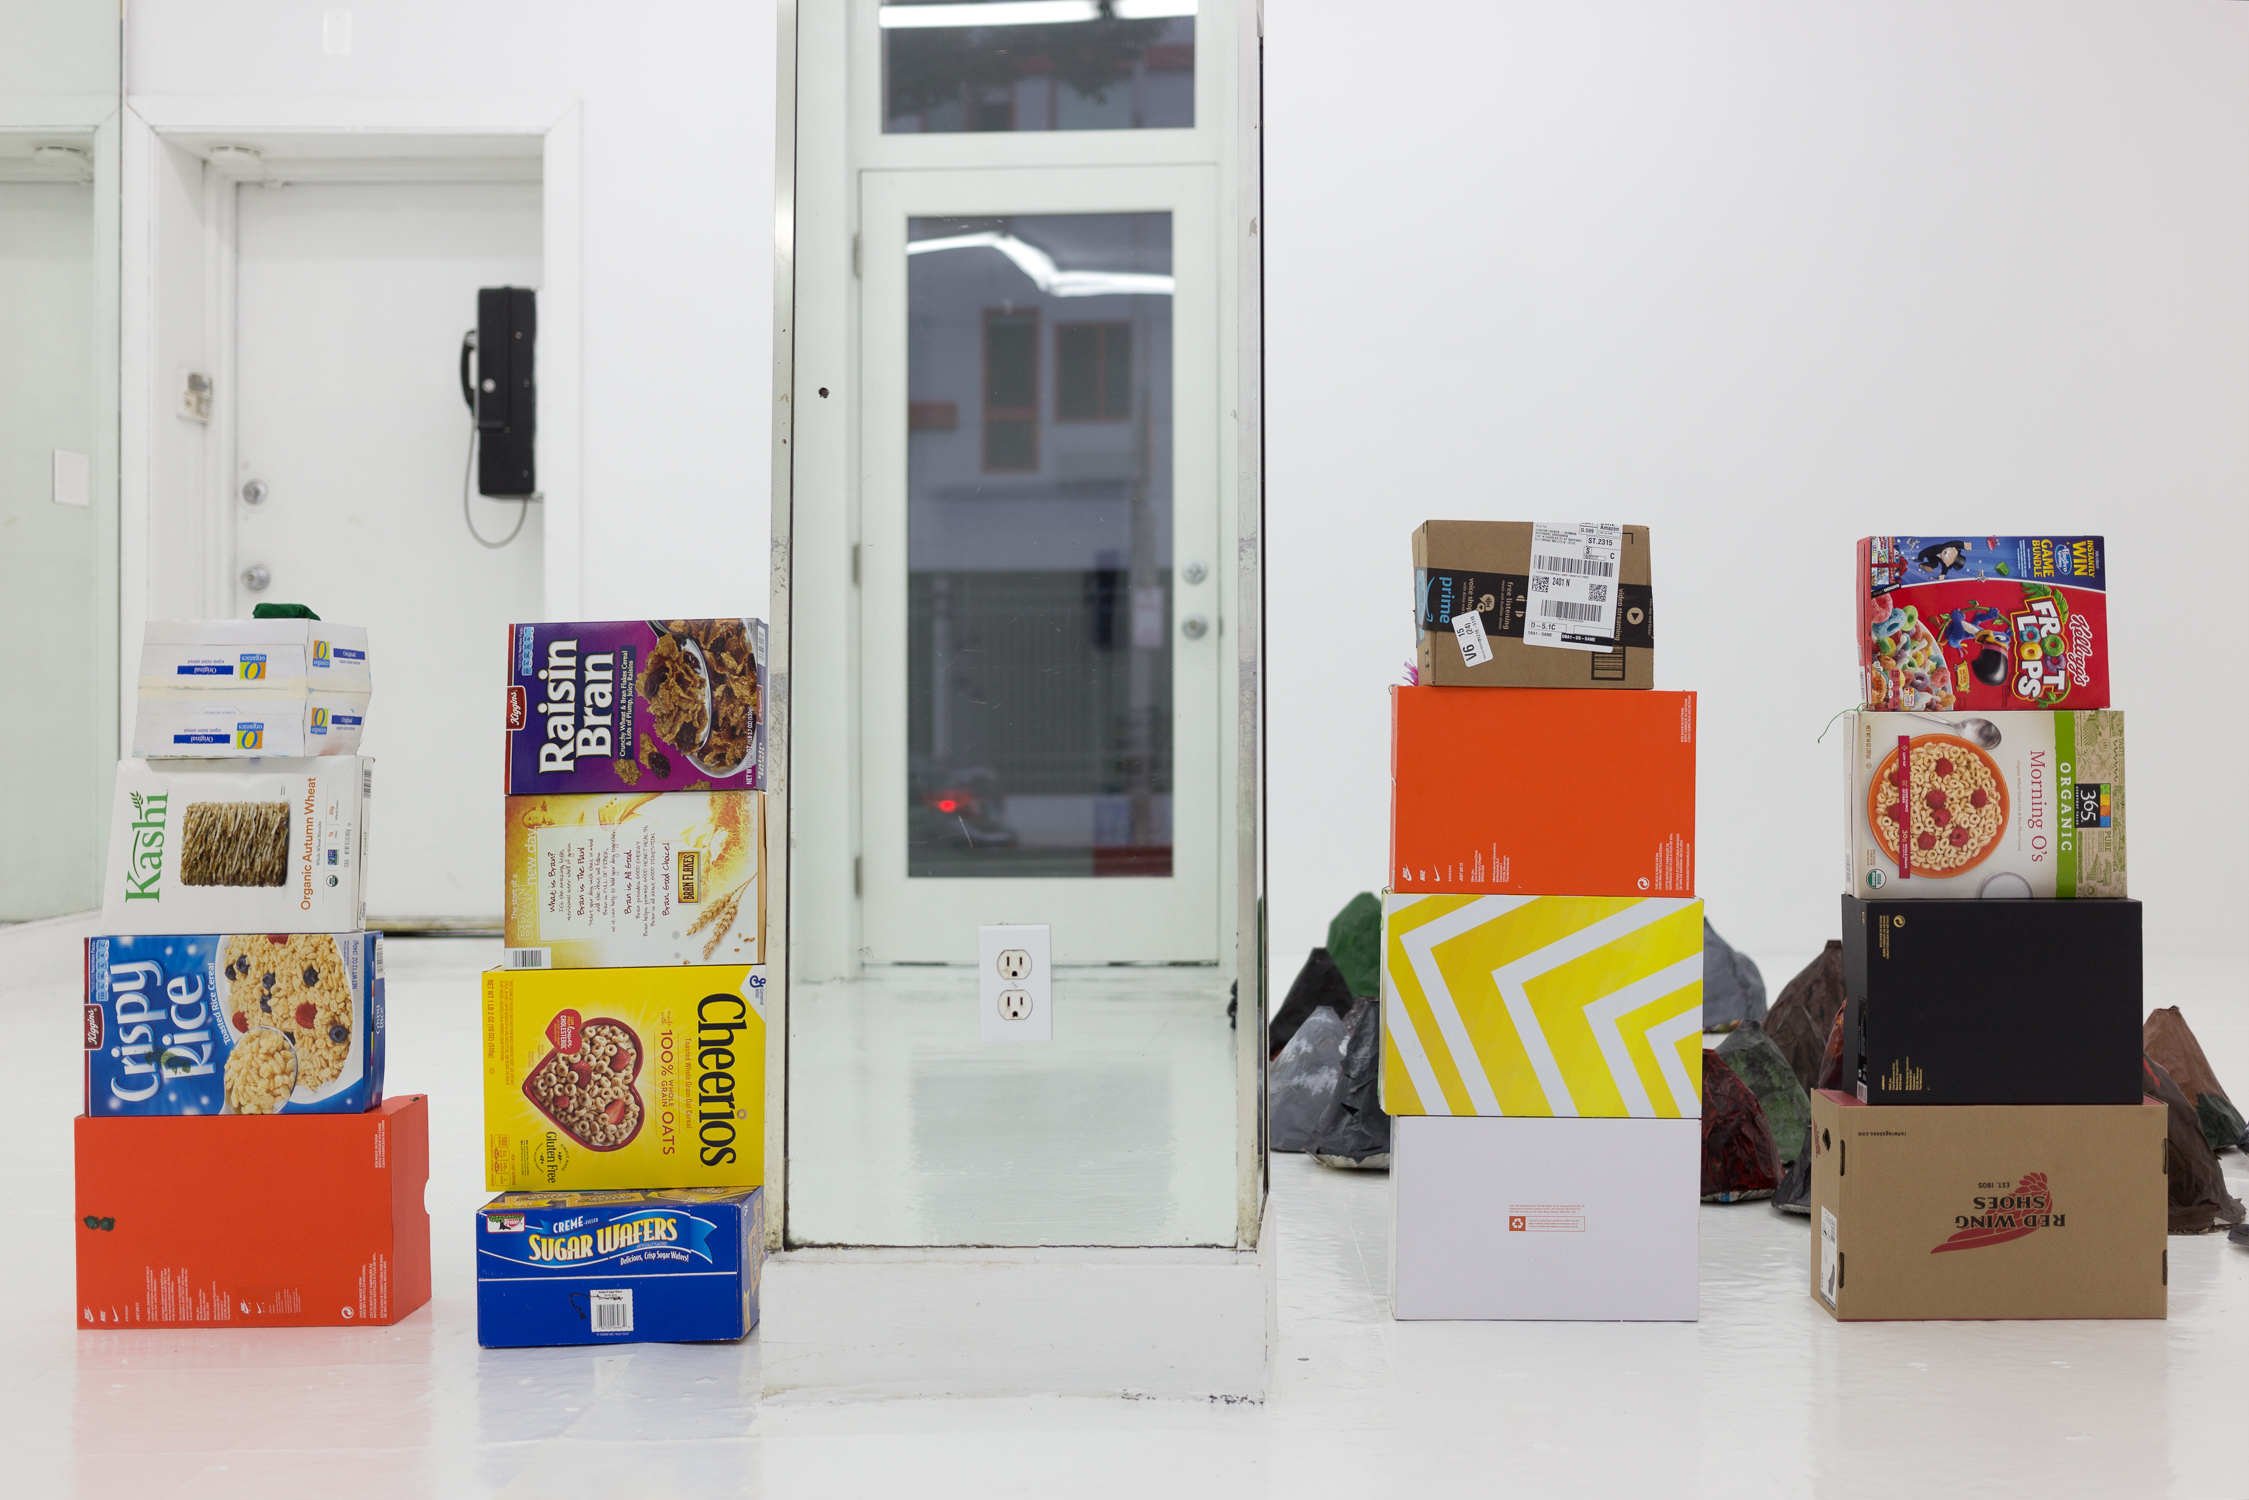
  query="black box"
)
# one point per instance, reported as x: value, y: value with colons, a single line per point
x: 1992, y: 1002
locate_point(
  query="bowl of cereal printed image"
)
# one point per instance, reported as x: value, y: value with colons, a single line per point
x: 261, y: 1073
x: 700, y: 682
x: 1949, y: 799
x: 591, y: 1092
x: 296, y: 984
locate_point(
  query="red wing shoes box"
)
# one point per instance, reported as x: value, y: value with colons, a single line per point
x: 1988, y: 1211
x: 1992, y: 1002
x: 257, y: 1221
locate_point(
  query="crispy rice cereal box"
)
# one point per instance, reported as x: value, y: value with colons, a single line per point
x: 624, y: 1078
x: 237, y: 1023
x: 636, y: 705
x: 623, y: 879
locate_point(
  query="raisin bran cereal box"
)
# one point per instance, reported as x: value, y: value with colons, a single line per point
x: 235, y: 1024
x: 624, y: 1078
x: 1976, y: 624
x: 241, y: 1222
x: 636, y: 705
x: 678, y: 1265
x: 617, y: 880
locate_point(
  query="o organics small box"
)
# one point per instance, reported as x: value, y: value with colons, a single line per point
x: 624, y: 1078
x: 617, y: 880
x: 1988, y: 1211
x: 1959, y: 623
x: 243, y: 1222
x: 212, y: 725
x: 1993, y: 806
x: 679, y: 1265
x: 624, y: 705
x: 238, y: 1024
x: 1541, y: 791
x: 275, y: 845
x: 267, y: 656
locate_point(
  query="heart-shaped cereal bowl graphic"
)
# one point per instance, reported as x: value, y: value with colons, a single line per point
x: 589, y: 1081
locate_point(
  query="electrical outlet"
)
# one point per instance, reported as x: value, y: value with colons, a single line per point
x: 1015, y: 983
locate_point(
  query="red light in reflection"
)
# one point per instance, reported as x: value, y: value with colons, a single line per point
x: 947, y: 804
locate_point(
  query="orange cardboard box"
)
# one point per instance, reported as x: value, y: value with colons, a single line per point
x: 256, y: 1221
x: 1542, y: 791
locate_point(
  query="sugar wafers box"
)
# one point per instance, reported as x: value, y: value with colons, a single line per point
x: 676, y: 1265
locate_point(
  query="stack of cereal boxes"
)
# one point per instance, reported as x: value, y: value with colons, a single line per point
x: 1542, y: 943
x: 235, y: 1021
x: 624, y: 1036
x: 1990, y: 1153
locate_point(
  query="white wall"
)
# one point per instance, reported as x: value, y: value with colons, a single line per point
x: 1767, y: 276
x: 677, y: 175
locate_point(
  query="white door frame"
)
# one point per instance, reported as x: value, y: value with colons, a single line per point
x: 176, y: 506
x: 1147, y: 919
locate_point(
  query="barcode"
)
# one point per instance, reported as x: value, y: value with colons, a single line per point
x: 529, y: 958
x: 612, y: 1311
x: 1568, y: 609
x: 1599, y: 567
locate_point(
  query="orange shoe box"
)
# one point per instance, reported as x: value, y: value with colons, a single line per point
x: 253, y: 1221
x: 1542, y: 791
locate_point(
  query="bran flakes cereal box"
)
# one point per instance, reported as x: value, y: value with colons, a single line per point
x: 624, y: 1078
x: 626, y: 705
x: 1955, y: 623
x: 620, y: 880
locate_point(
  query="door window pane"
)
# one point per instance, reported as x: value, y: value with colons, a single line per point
x: 1039, y: 546
x: 962, y: 65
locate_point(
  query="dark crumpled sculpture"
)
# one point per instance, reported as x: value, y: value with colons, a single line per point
x: 1354, y: 1132
x: 1319, y: 983
x: 1732, y: 990
x: 1805, y: 1013
x: 1304, y: 1079
x: 1758, y: 1063
x: 2167, y: 1039
x: 1737, y: 1145
x: 2199, y: 1200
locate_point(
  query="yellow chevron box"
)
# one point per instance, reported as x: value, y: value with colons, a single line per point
x: 1542, y: 1005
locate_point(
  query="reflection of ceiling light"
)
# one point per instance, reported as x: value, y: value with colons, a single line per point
x: 1029, y: 13
x: 59, y: 156
x: 236, y: 158
x: 1046, y: 275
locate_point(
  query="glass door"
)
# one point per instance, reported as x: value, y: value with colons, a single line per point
x: 1040, y: 641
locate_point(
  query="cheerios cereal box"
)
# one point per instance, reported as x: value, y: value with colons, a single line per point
x: 624, y: 879
x: 624, y: 1078
x: 1985, y: 805
x: 234, y: 1024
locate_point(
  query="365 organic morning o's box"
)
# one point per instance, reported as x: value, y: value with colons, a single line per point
x: 624, y: 1078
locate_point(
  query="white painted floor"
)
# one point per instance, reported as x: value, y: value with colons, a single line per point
x: 1764, y: 1397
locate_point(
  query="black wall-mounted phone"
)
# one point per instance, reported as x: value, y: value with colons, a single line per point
x: 502, y: 393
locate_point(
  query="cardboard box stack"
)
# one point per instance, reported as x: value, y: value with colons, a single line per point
x: 1542, y: 943
x: 235, y: 1011
x: 1991, y: 1154
x: 624, y: 1035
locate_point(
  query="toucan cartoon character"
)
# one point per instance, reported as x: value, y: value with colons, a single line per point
x: 1943, y: 558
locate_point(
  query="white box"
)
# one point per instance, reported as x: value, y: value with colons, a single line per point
x: 291, y: 657
x: 1591, y: 1220
x: 288, y: 835
x: 222, y: 726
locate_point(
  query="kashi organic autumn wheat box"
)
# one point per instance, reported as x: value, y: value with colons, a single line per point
x: 624, y: 1078
x: 613, y: 880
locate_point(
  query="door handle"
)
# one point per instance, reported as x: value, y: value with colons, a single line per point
x: 256, y: 577
x: 1194, y: 627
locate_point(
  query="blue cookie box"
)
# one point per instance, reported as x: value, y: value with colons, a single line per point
x: 157, y: 1038
x: 689, y: 1259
